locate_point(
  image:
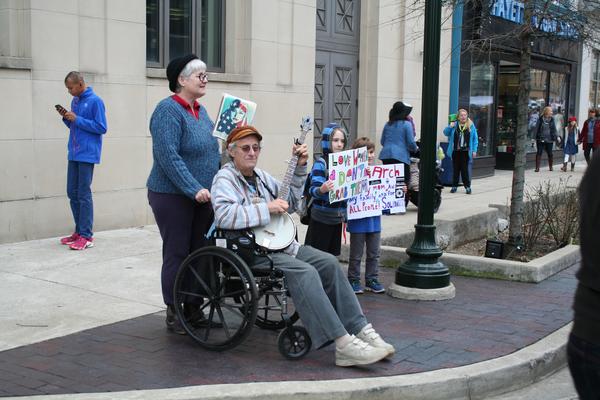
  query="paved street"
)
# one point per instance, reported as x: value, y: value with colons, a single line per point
x: 138, y: 353
x: 93, y: 321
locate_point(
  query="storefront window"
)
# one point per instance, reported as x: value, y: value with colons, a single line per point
x: 595, y: 81
x: 557, y: 99
x: 537, y: 102
x: 481, y: 105
x: 506, y: 112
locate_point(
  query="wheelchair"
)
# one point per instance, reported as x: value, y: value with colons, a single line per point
x: 233, y: 295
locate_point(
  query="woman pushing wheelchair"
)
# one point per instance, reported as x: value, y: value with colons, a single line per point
x: 246, y: 197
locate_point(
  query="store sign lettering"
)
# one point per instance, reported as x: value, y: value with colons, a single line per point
x: 508, y: 9
x: 513, y: 10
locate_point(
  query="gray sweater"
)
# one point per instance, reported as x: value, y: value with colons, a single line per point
x: 186, y: 155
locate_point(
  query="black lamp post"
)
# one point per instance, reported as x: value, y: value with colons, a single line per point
x: 423, y: 270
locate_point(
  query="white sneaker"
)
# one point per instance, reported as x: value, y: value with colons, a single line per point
x: 358, y: 352
x: 368, y: 335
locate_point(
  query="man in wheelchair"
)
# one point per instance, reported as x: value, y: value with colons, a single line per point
x: 246, y: 197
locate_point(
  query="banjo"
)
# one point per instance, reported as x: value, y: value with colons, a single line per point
x: 280, y: 232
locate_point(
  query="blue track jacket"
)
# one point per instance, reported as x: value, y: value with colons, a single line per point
x: 85, y: 137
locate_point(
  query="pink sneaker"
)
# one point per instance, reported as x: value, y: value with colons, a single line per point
x: 82, y: 243
x: 70, y: 239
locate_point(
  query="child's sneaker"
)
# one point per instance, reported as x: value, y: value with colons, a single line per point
x: 356, y: 286
x: 82, y: 243
x: 70, y: 239
x: 454, y: 189
x: 374, y: 286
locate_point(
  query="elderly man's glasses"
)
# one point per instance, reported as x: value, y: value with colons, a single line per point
x: 203, y: 77
x: 246, y: 148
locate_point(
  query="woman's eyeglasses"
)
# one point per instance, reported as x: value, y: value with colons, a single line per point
x: 203, y: 77
x: 246, y: 148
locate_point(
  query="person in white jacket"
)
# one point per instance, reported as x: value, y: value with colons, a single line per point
x: 245, y: 197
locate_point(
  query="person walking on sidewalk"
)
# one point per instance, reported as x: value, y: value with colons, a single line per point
x: 87, y: 125
x: 462, y: 148
x: 245, y: 197
x: 365, y: 232
x: 545, y: 136
x: 186, y: 159
x: 583, y: 347
x: 570, y: 145
x: 590, y: 134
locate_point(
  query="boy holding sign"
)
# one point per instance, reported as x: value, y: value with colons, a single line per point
x: 325, y: 226
x: 365, y: 232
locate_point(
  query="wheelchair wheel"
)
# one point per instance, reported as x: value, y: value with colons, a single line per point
x: 269, y: 312
x: 222, y: 283
x: 294, y: 342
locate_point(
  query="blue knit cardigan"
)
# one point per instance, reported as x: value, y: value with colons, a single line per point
x: 186, y: 155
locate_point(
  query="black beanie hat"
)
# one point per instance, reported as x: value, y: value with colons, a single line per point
x: 175, y: 67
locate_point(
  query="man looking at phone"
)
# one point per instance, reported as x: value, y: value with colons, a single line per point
x: 87, y: 123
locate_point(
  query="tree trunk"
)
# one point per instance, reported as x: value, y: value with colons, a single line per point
x: 515, y: 233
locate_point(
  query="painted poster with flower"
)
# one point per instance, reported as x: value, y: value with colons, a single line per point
x: 233, y: 112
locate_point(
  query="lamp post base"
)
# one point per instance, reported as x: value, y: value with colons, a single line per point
x: 409, y: 293
x: 423, y: 270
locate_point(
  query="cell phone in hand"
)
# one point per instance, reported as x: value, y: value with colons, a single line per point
x: 61, y: 110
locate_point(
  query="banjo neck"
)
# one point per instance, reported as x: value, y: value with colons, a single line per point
x: 284, y: 189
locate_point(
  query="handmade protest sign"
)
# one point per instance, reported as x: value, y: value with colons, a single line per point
x: 233, y: 112
x: 384, y: 192
x: 348, y: 172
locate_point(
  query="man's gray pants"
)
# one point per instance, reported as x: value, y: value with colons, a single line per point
x: 321, y: 293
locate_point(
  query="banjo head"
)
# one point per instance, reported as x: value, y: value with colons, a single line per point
x: 277, y: 234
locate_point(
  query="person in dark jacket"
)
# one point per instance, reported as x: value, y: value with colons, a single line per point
x: 463, y: 142
x: 545, y: 135
x: 583, y: 348
x: 590, y: 134
x: 87, y: 125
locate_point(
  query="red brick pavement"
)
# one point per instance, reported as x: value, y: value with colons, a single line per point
x: 487, y: 319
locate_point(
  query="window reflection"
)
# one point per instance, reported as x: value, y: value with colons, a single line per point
x: 211, y: 24
x: 537, y: 102
x: 152, y: 31
x: 180, y: 28
x: 481, y: 104
x: 557, y: 96
x: 506, y: 113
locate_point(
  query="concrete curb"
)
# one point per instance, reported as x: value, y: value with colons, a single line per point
x: 470, y: 382
x: 534, y: 271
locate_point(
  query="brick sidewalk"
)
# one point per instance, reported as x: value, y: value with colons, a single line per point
x: 487, y: 319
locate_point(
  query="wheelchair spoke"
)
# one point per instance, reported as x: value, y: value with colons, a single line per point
x: 225, y: 327
x: 191, y: 294
x: 211, y: 314
x: 201, y: 282
x: 240, y: 292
